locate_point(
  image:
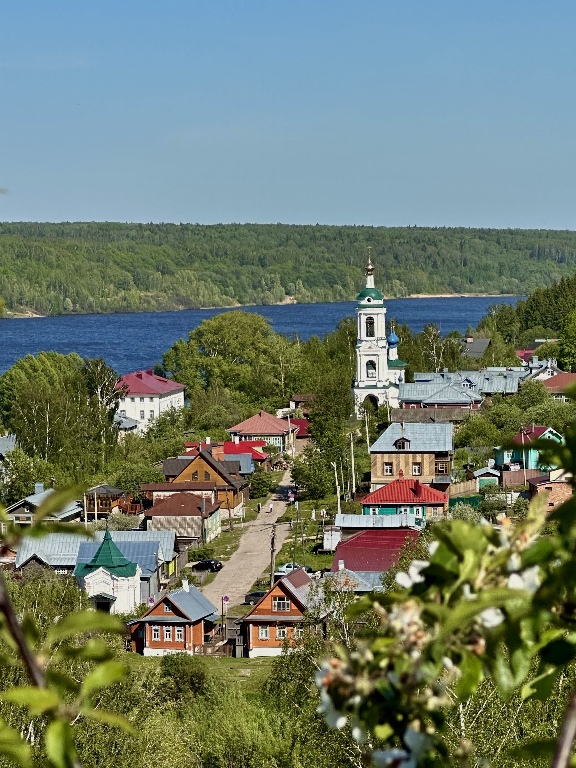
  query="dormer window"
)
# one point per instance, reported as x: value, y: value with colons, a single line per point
x: 371, y: 369
x: 370, y: 333
x: 402, y: 444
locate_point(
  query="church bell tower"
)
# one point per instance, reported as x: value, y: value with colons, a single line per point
x: 378, y: 369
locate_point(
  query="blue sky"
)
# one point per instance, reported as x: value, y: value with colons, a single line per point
x: 421, y: 112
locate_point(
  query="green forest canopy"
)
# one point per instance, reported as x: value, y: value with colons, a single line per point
x: 113, y: 267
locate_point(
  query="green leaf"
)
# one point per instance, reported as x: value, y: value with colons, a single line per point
x: 532, y: 750
x: 104, y: 675
x: 110, y: 718
x: 84, y: 621
x: 540, y: 687
x: 471, y: 675
x: 38, y: 700
x: 13, y: 746
x: 60, y: 744
x: 383, y: 732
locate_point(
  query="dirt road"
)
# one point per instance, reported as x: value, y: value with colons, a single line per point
x: 253, y: 554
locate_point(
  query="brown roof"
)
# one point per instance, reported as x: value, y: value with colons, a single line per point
x: 560, y: 382
x: 261, y: 424
x: 191, y: 486
x: 182, y: 505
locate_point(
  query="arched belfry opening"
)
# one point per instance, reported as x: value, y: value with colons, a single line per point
x: 371, y: 369
x: 370, y: 328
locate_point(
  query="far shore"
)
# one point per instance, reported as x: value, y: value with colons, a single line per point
x: 30, y: 313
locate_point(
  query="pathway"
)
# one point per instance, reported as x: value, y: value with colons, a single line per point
x: 252, y: 557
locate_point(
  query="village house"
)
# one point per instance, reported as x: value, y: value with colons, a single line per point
x: 406, y: 502
x: 556, y: 483
x: 264, y: 426
x: 145, y: 396
x: 193, y: 518
x: 22, y: 512
x: 523, y: 454
x: 277, y: 617
x: 559, y: 385
x: 419, y: 451
x: 181, y: 621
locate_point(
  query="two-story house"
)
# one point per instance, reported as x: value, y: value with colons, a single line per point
x: 523, y: 454
x: 145, y: 396
x: 406, y: 502
x: 420, y: 451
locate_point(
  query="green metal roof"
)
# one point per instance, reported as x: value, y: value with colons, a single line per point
x: 370, y: 293
x: 396, y: 363
x: 109, y: 557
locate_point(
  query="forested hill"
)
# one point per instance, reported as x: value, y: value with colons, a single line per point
x: 112, y: 267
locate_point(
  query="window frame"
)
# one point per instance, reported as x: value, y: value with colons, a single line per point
x: 168, y: 634
x: 276, y: 599
x: 156, y: 634
x: 416, y: 469
x: 388, y: 465
x: 263, y: 632
x: 179, y: 634
x: 281, y: 632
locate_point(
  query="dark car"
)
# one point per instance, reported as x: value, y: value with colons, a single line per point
x: 207, y: 565
x: 253, y: 597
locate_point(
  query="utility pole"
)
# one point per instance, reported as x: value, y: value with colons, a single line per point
x: 367, y: 433
x: 353, y: 468
x: 337, y: 486
x: 272, y: 554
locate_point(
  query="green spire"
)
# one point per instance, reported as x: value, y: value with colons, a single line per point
x: 109, y: 557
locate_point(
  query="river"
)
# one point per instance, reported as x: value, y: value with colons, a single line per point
x: 129, y: 342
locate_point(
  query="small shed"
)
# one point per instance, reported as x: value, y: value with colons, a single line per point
x: 486, y: 476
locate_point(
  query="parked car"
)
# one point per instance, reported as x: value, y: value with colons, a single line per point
x: 288, y: 567
x: 207, y: 565
x: 253, y: 597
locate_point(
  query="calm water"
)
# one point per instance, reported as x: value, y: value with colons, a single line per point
x: 132, y: 341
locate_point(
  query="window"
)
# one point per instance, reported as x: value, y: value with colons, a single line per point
x: 151, y: 414
x: 280, y: 604
x: 264, y: 632
x: 298, y: 632
x: 418, y: 511
x: 373, y: 510
x: 167, y: 608
x: 179, y: 634
x: 370, y: 328
x: 156, y: 633
x: 281, y: 633
x: 142, y: 416
x: 132, y: 399
x: 402, y: 444
x: 388, y: 468
x: 195, y: 475
x: 371, y: 369
x: 122, y: 413
x: 206, y: 475
x: 168, y: 634
x: 141, y: 399
x: 151, y: 399
x: 441, y: 468
x: 416, y: 468
x: 404, y: 510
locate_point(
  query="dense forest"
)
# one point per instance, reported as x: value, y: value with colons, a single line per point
x: 113, y: 267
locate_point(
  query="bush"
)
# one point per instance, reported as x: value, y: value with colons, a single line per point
x: 184, y: 677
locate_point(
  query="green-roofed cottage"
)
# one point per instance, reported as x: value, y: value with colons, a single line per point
x: 378, y: 369
x: 111, y: 580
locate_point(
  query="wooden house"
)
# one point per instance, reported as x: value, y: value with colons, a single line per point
x: 179, y: 622
x: 277, y: 617
x: 407, y: 502
x: 265, y: 426
x: 192, y: 518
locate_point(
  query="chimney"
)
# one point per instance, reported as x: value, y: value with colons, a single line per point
x: 417, y: 489
x: 237, y: 439
x: 207, y: 440
x: 38, y: 487
x: 149, y: 372
x: 185, y: 585
x: 203, y: 506
x: 340, y: 565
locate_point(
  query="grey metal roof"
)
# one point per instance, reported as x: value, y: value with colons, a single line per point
x: 192, y: 602
x: 166, y: 539
x: 486, y: 471
x: 438, y: 393
x: 125, y: 423
x: 424, y: 438
x: 144, y: 553
x: 58, y: 550
x: 173, y: 467
x: 432, y: 415
x: 244, y: 459
x: 69, y: 511
x: 475, y: 348
x: 7, y: 444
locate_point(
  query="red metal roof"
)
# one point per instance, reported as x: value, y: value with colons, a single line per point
x: 528, y: 434
x: 406, y: 492
x: 302, y: 425
x: 261, y: 424
x: 560, y: 382
x: 372, y: 551
x: 147, y: 383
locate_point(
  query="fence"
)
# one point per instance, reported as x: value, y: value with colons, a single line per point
x: 463, y: 489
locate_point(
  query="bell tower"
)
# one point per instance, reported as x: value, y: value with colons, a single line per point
x: 378, y: 373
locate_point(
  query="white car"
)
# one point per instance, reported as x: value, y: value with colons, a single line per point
x: 288, y: 567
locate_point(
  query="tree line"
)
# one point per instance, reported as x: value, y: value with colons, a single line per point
x: 113, y: 267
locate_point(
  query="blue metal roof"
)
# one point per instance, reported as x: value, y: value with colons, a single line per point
x: 426, y: 438
x: 245, y: 459
x: 58, y: 550
x: 166, y: 539
x: 192, y: 603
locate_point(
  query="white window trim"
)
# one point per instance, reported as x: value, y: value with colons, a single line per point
x: 276, y: 600
x: 168, y: 634
x: 263, y: 632
x: 281, y: 633
x: 179, y: 634
x: 156, y: 634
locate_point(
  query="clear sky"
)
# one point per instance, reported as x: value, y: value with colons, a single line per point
x: 378, y: 112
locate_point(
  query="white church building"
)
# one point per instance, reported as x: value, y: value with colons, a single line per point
x: 379, y: 372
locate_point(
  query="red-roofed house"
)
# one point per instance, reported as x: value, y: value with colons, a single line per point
x: 557, y: 385
x: 523, y: 455
x: 407, y: 502
x: 371, y: 552
x: 146, y: 396
x: 265, y: 426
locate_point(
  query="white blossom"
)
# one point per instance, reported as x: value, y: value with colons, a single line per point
x: 403, y: 580
x: 514, y: 562
x: 334, y: 718
x: 433, y: 546
x: 398, y: 758
x: 528, y: 579
x: 491, y: 617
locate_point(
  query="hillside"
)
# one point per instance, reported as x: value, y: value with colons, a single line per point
x: 112, y: 267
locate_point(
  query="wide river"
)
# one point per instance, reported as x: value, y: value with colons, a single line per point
x: 129, y: 342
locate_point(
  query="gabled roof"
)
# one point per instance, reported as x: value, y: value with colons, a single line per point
x: 174, y: 466
x: 425, y: 438
x: 483, y: 471
x: 189, y: 485
x: 108, y: 557
x: 148, y: 383
x: 475, y: 347
x: 193, y: 604
x: 262, y: 424
x: 372, y: 551
x: 104, y: 490
x: 69, y: 511
x: 183, y: 505
x: 253, y: 447
x: 143, y: 553
x: 357, y: 582
x: 560, y: 382
x: 533, y: 432
x: 57, y: 550
x: 452, y: 394
x: 165, y: 539
x: 302, y: 425
x: 405, y: 492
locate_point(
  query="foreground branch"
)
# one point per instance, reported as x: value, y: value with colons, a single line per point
x: 567, y: 736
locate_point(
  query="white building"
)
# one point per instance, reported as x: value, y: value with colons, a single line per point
x: 378, y: 369
x: 146, y: 396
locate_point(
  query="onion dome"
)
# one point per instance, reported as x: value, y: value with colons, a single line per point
x: 393, y: 340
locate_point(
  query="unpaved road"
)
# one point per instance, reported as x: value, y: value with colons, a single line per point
x: 253, y: 554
